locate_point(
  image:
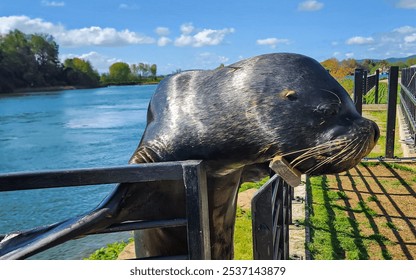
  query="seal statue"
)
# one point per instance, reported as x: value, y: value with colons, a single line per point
x: 236, y: 119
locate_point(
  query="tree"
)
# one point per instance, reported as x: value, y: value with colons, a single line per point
x: 135, y: 72
x: 153, y: 70
x: 80, y: 72
x: 30, y: 61
x: 18, y: 60
x: 119, y: 72
x: 46, y: 54
x: 411, y: 61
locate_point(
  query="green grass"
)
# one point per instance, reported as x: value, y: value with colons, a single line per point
x: 392, y: 226
x: 243, y: 240
x: 369, y: 98
x: 110, y: 252
x: 334, y: 235
x: 380, y: 117
x: 373, y: 198
x: 253, y: 185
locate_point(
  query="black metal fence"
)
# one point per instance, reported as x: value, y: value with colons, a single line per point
x: 272, y: 215
x: 363, y: 83
x: 191, y: 173
x: 408, y: 101
x: 360, y: 80
x: 271, y: 206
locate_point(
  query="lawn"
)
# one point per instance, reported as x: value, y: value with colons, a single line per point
x: 364, y: 213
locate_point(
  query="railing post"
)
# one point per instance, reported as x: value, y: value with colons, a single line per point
x: 195, y: 181
x: 263, y: 242
x: 391, y: 110
x: 376, y: 88
x: 358, y: 90
x: 365, y: 85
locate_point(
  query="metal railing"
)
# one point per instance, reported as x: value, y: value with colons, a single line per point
x: 363, y: 83
x: 271, y: 217
x: 191, y: 173
x: 271, y: 206
x: 408, y: 101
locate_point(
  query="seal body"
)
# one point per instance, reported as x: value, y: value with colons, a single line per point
x: 239, y: 117
x: 236, y: 119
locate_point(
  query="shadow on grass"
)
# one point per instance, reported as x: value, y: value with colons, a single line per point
x: 338, y: 224
x: 337, y: 252
x: 358, y: 238
x: 396, y: 233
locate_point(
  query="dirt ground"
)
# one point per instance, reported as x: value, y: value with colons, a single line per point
x: 387, y: 223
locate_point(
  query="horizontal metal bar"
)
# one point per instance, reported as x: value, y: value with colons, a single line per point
x: 392, y: 160
x: 141, y: 225
x: 93, y: 176
x: 179, y: 257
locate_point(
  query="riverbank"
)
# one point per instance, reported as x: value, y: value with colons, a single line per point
x: 31, y: 90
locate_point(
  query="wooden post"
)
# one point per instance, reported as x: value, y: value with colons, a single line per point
x: 391, y: 110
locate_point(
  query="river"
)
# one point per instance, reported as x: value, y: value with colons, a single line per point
x: 62, y: 130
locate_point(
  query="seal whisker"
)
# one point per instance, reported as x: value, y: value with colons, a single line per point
x: 345, y: 152
x: 327, y: 90
x: 319, y: 150
x: 314, y: 155
x: 332, y: 142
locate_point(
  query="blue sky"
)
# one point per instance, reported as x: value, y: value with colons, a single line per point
x: 192, y: 34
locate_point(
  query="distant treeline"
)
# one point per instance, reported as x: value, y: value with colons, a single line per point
x: 30, y: 61
x: 341, y: 69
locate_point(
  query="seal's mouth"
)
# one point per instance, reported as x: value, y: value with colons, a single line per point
x: 339, y: 154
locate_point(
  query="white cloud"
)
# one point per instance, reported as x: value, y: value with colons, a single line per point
x: 162, y: 31
x: 87, y: 36
x: 52, y: 3
x: 310, y: 6
x: 210, y: 60
x: 400, y: 41
x: 125, y: 6
x: 272, y: 42
x: 163, y: 41
x: 358, y: 40
x: 98, y: 36
x: 406, y: 4
x: 397, y: 42
x: 349, y: 55
x: 205, y: 37
x: 410, y: 38
x: 187, y: 28
x: 107, y: 36
x: 99, y: 61
x: 405, y: 29
x: 28, y: 25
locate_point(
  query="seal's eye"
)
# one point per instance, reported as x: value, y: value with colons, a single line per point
x: 328, y: 109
